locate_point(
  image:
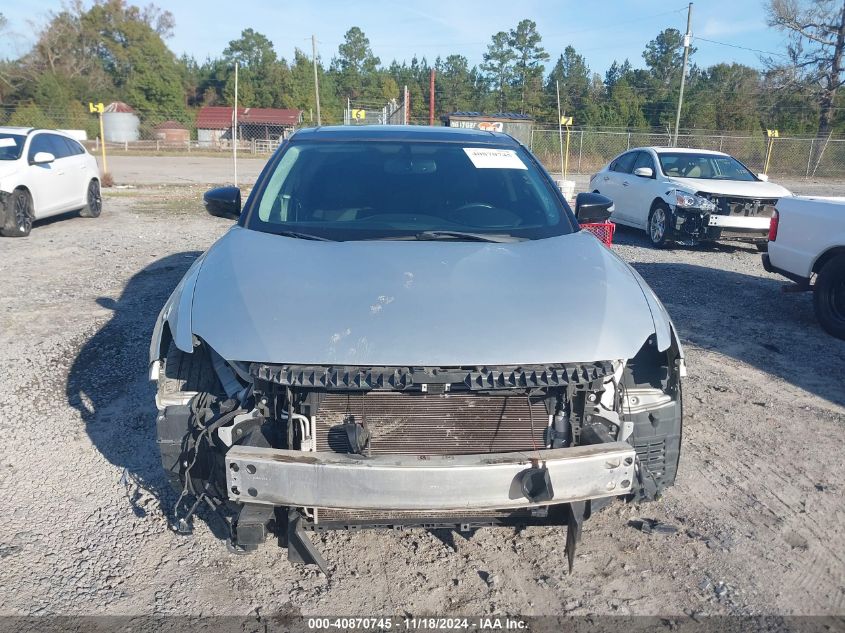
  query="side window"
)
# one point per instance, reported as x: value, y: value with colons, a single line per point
x: 644, y: 160
x: 40, y: 143
x: 74, y: 148
x: 625, y: 163
x: 51, y: 143
x: 61, y: 149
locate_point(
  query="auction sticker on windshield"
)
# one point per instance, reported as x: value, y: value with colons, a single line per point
x: 494, y: 158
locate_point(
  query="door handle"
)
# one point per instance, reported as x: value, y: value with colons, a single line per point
x: 625, y: 183
x: 606, y: 178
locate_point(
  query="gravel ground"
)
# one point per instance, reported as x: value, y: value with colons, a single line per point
x: 758, y: 509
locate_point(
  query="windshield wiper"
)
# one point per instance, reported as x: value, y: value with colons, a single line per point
x: 303, y: 236
x: 461, y: 235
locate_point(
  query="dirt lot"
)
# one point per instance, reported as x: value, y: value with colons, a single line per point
x: 759, y: 507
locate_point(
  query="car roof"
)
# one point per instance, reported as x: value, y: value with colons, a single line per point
x: 26, y: 131
x: 684, y: 150
x: 421, y: 133
x: 8, y: 129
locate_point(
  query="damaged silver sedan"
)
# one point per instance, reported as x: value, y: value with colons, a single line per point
x: 406, y: 328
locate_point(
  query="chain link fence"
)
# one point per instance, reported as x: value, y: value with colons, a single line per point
x: 368, y: 113
x: 590, y: 150
x: 156, y: 131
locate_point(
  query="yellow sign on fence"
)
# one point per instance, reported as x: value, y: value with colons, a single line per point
x: 772, y: 134
x: 98, y: 109
x: 566, y: 120
x: 359, y: 115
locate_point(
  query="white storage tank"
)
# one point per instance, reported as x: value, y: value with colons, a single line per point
x: 120, y: 123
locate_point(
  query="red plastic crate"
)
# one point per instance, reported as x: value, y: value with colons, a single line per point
x: 602, y: 230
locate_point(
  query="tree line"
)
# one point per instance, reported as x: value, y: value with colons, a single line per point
x: 114, y: 50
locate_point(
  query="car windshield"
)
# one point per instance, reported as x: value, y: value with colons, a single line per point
x: 363, y: 190
x: 11, y: 146
x: 704, y: 166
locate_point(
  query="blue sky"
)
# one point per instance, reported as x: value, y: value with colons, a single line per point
x: 601, y: 31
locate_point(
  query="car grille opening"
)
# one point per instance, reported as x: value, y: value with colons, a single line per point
x: 652, y: 453
x: 433, y: 424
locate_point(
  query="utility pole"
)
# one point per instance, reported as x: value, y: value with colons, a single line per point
x: 559, y: 127
x: 316, y: 81
x: 431, y: 98
x: 235, y: 128
x: 687, y: 40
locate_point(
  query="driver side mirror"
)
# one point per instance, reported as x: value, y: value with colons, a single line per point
x: 223, y: 202
x: 42, y: 158
x: 763, y: 177
x: 592, y: 207
x: 644, y: 172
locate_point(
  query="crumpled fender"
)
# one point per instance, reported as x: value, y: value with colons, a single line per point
x: 664, y: 328
x: 176, y: 313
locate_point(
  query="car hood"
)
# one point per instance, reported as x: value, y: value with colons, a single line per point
x: 753, y: 189
x: 267, y: 298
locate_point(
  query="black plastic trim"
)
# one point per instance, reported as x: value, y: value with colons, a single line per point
x: 484, y: 378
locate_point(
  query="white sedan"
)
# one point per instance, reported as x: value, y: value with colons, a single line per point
x: 688, y: 195
x: 44, y: 173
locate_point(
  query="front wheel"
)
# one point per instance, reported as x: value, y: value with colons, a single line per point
x: 829, y: 297
x: 19, y: 215
x: 658, y: 225
x: 93, y: 200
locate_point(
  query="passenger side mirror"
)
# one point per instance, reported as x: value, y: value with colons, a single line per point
x: 763, y: 177
x: 592, y: 207
x: 43, y: 158
x: 644, y: 172
x: 223, y: 202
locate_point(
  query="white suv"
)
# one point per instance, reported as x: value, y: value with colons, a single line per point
x: 44, y: 173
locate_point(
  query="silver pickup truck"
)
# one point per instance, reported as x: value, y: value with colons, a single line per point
x: 807, y: 245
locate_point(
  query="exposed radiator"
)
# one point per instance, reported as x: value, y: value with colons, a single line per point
x: 433, y: 424
x: 744, y: 207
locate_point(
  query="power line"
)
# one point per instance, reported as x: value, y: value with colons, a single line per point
x: 744, y: 48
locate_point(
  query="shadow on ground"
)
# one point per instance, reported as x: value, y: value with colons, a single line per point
x: 628, y: 236
x: 108, y: 381
x: 750, y: 319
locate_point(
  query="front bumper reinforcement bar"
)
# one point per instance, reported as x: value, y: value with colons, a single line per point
x: 427, y: 482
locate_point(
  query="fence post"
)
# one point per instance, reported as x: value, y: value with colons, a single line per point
x: 629, y: 141
x: 158, y: 146
x: 809, y: 158
x: 721, y: 140
x: 580, y: 151
x: 125, y: 146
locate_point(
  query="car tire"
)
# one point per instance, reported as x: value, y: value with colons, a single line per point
x: 17, y: 220
x: 658, y: 225
x: 93, y: 200
x: 829, y: 297
x: 182, y: 376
